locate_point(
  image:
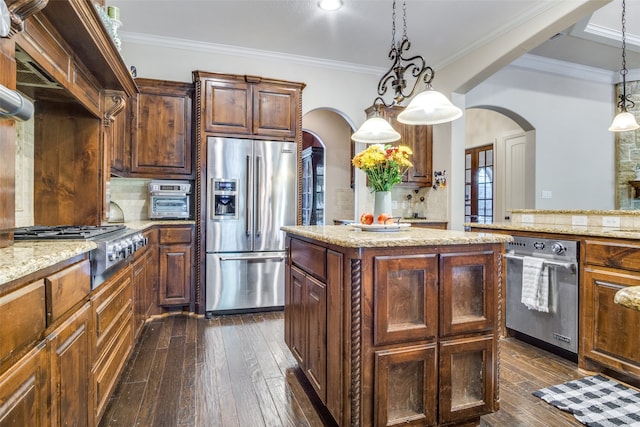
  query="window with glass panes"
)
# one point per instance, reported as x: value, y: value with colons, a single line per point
x: 478, y: 189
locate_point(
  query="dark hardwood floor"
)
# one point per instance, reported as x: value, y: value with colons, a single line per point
x: 237, y: 371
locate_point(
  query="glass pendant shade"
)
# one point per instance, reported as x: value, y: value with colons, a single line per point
x: 429, y: 108
x: 376, y: 130
x: 624, y: 121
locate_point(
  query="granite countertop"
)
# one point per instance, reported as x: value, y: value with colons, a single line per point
x: 629, y: 297
x: 613, y: 232
x: 29, y: 256
x: 351, y: 237
x: 26, y: 257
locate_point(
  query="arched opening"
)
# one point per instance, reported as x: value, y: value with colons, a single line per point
x: 333, y: 130
x: 313, y: 179
x: 499, y: 164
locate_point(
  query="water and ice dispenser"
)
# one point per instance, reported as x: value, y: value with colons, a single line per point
x: 225, y: 198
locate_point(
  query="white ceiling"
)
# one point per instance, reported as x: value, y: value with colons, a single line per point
x: 360, y: 32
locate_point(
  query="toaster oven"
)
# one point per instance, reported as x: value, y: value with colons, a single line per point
x: 169, y: 200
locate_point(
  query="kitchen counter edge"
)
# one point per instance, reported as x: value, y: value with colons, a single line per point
x: 609, y: 232
x: 29, y: 256
x: 347, y: 236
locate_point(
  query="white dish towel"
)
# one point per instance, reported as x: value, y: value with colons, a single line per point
x: 535, y: 284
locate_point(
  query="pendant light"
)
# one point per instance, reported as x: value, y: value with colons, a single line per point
x: 427, y: 108
x: 624, y: 121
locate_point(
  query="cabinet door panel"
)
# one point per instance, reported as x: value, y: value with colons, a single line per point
x: 607, y: 335
x: 406, y: 386
x: 24, y: 391
x: 175, y: 275
x: 405, y: 298
x: 274, y: 110
x: 296, y: 319
x: 466, y: 378
x: 70, y: 359
x: 316, y: 319
x: 161, y: 130
x: 227, y: 107
x: 467, y: 292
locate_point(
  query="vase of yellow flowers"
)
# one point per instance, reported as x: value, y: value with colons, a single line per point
x: 384, y: 166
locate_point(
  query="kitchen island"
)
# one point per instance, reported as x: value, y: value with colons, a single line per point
x: 396, y: 328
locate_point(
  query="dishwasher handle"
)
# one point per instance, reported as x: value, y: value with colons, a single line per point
x: 568, y: 265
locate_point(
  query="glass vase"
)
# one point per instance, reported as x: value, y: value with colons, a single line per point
x: 381, y: 204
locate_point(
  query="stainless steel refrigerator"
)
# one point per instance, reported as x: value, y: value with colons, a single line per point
x: 251, y: 193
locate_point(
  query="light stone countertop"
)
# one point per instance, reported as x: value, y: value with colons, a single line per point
x: 29, y: 256
x: 26, y: 257
x: 611, y: 232
x: 629, y: 297
x: 351, y: 237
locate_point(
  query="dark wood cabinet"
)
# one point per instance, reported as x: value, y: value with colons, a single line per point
x: 24, y: 390
x: 175, y: 252
x: 406, y: 386
x: 69, y: 350
x: 607, y: 339
x: 418, y: 326
x: 249, y: 106
x: 113, y: 336
x: 468, y: 381
x: 161, y: 138
x: 418, y: 138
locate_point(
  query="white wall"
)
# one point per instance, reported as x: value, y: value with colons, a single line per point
x: 349, y: 90
x: 575, y: 153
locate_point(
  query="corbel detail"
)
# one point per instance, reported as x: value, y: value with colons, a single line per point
x: 20, y: 10
x: 118, y: 105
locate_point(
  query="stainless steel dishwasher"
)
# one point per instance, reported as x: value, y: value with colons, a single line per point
x: 558, y: 327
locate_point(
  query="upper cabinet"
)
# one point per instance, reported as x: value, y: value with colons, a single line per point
x: 250, y: 106
x: 419, y: 139
x: 161, y: 130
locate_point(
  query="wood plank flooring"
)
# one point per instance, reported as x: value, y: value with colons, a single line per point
x: 237, y: 371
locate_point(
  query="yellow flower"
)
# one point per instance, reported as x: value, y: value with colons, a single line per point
x: 383, y: 164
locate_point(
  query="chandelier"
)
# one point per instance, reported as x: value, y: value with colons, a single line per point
x: 624, y: 121
x: 427, y: 108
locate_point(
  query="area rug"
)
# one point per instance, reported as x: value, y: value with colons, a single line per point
x: 595, y: 401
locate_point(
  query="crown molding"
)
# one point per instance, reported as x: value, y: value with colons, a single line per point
x: 564, y: 68
x: 221, y: 49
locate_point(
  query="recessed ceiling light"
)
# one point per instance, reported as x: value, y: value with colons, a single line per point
x: 330, y: 4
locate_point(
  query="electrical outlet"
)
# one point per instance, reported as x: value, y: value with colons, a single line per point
x: 611, y: 221
x: 526, y: 219
x: 547, y: 194
x: 394, y: 205
x: 578, y: 220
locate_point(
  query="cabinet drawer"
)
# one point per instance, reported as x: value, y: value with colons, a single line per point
x: 66, y: 288
x: 22, y: 317
x: 110, y: 308
x: 613, y: 254
x: 309, y: 257
x: 169, y: 236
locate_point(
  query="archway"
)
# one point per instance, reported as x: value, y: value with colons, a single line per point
x: 513, y: 141
x: 334, y: 130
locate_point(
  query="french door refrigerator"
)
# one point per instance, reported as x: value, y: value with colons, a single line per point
x: 251, y: 193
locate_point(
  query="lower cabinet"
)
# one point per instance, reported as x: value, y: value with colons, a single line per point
x: 24, y: 390
x: 69, y: 350
x: 175, y: 251
x: 609, y: 337
x: 409, y: 338
x: 113, y: 338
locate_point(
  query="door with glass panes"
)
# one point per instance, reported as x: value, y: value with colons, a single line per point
x: 478, y: 191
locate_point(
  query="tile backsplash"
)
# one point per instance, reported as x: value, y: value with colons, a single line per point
x: 132, y: 195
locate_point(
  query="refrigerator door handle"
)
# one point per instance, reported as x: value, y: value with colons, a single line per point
x: 258, y: 195
x: 249, y: 205
x: 244, y: 258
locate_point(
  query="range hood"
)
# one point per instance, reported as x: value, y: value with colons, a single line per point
x: 29, y: 73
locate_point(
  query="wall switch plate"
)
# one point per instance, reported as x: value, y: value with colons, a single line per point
x: 526, y: 219
x: 578, y: 220
x: 547, y: 194
x: 611, y: 221
x: 394, y: 205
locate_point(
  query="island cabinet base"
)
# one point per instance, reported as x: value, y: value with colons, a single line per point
x: 396, y: 336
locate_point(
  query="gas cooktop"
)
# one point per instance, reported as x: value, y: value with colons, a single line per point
x: 83, y: 232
